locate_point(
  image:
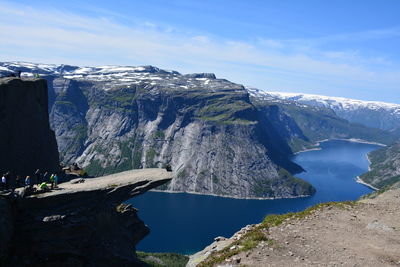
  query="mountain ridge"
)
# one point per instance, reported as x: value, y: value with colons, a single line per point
x: 110, y: 119
x: 214, y: 133
x: 375, y: 114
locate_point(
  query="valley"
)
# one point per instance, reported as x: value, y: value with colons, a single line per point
x: 186, y: 223
x: 219, y: 137
x: 237, y: 150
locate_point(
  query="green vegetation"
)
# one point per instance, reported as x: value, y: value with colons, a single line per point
x: 65, y: 103
x: 215, y: 179
x: 260, y: 233
x: 94, y: 168
x: 384, y: 167
x: 298, y: 144
x: 319, y: 123
x: 159, y: 135
x: 376, y: 193
x: 303, y: 187
x: 182, y: 174
x: 122, y: 99
x: 265, y: 187
x: 228, y: 108
x: 151, y: 153
x: 76, y: 141
x: 137, y: 158
x: 162, y: 259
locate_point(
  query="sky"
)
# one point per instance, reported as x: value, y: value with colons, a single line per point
x: 336, y: 48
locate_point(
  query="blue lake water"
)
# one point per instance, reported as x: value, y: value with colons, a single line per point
x: 186, y: 223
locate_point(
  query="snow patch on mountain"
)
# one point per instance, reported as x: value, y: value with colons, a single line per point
x: 370, y: 113
x: 326, y: 101
x: 118, y: 76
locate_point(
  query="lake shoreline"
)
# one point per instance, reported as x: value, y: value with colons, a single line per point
x: 232, y: 197
x: 358, y: 180
x: 316, y: 145
x: 316, y: 148
x: 203, y: 217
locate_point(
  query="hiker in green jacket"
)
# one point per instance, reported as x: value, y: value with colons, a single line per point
x: 52, y: 181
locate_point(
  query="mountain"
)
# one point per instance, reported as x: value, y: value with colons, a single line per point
x: 110, y: 119
x: 27, y: 142
x: 384, y: 168
x: 303, y: 126
x: 374, y: 114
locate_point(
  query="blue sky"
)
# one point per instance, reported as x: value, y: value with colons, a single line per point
x: 337, y: 48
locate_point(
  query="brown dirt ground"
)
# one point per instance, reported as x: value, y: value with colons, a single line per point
x: 367, y: 234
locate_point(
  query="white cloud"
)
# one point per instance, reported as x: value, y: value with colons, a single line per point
x: 47, y: 35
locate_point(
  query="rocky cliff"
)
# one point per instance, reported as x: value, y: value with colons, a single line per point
x: 111, y: 119
x: 28, y: 143
x: 384, y: 168
x: 82, y: 223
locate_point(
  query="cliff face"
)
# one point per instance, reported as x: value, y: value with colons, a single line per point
x: 111, y: 119
x: 81, y: 224
x: 27, y: 143
x: 211, y: 136
x: 6, y: 226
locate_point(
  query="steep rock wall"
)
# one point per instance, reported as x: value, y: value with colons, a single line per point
x: 215, y: 141
x: 81, y: 224
x: 27, y: 142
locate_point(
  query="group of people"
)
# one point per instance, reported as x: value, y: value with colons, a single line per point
x: 18, y: 74
x: 40, y: 180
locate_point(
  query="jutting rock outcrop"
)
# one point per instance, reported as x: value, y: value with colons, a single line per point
x: 82, y: 223
x: 27, y: 142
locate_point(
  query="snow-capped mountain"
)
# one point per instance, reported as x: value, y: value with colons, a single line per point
x: 114, y: 118
x: 375, y: 114
x: 119, y: 76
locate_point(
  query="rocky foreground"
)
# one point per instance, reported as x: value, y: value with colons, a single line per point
x: 82, y: 223
x: 363, y: 233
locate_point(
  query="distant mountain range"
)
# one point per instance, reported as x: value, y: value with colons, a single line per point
x: 219, y: 137
x: 375, y: 114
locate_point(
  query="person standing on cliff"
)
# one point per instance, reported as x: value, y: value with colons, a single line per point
x: 55, y: 180
x: 52, y: 181
x: 28, y: 181
x: 19, y: 73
